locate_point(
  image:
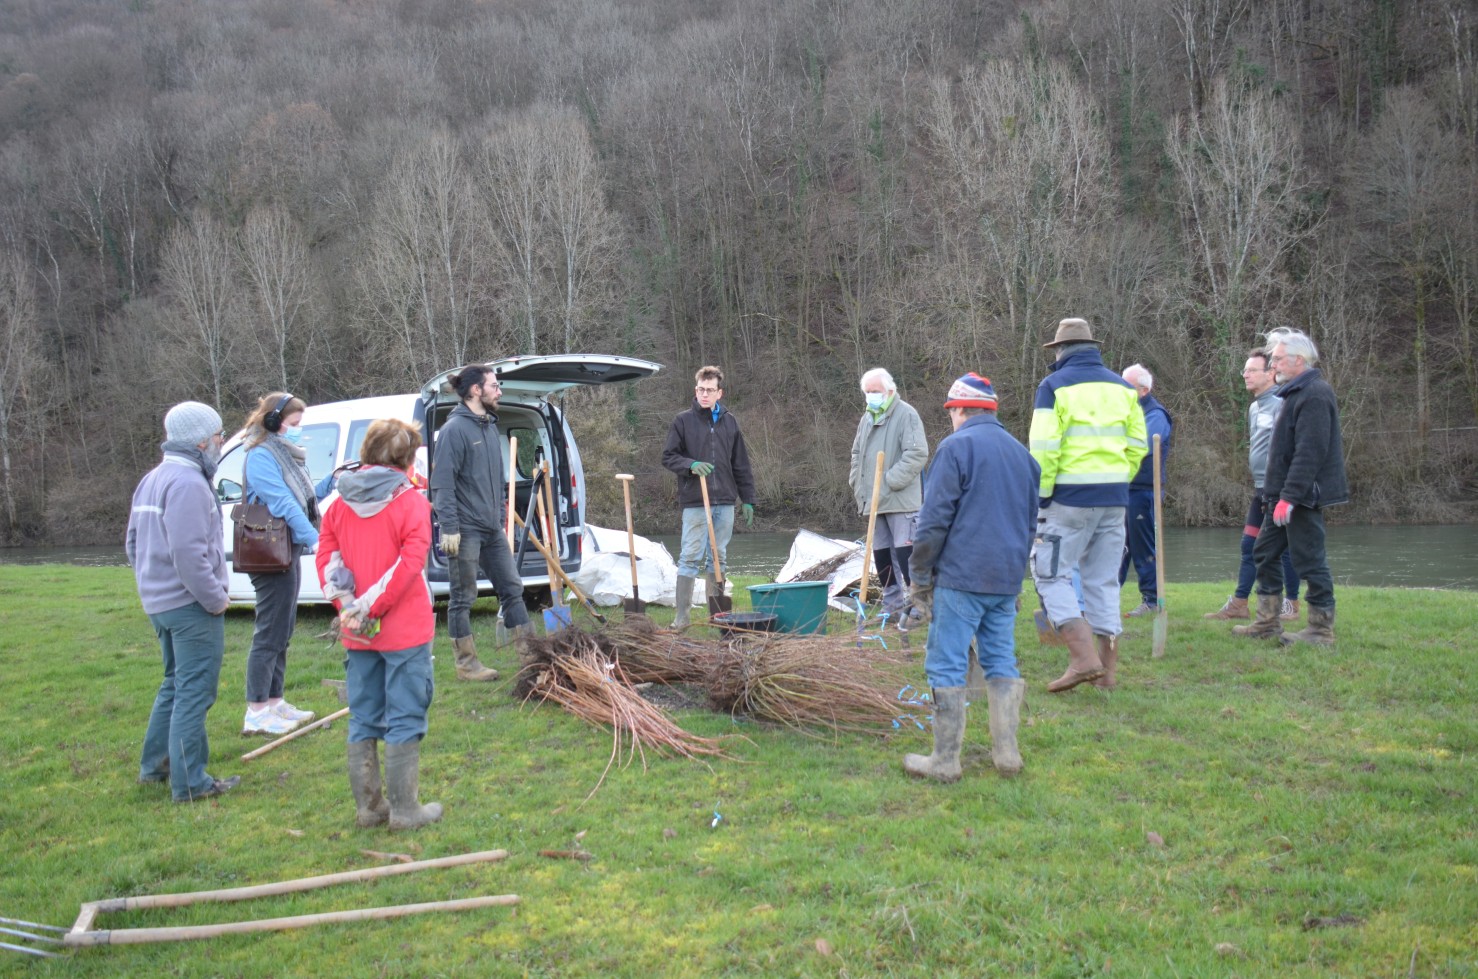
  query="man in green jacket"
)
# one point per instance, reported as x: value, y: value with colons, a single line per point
x: 891, y: 426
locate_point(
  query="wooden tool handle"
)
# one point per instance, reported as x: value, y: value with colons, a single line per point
x: 872, y: 522
x: 718, y: 571
x: 512, y: 483
x: 626, y: 479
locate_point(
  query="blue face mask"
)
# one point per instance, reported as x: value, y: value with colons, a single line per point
x: 294, y: 434
x: 876, y: 399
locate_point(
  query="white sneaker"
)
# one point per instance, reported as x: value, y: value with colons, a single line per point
x: 284, y: 709
x: 268, y: 722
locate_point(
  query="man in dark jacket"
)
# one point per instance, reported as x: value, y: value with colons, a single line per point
x: 467, y: 493
x: 1306, y: 473
x: 704, y: 442
x: 970, y: 552
x: 1139, y: 518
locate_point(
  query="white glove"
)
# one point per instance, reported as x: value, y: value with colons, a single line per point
x: 451, y: 544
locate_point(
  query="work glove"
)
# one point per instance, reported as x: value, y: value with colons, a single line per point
x: 700, y: 468
x: 921, y: 594
x: 1282, y: 513
x: 451, y: 544
x: 748, y: 509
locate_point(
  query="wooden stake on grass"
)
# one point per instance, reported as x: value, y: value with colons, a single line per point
x: 321, y: 722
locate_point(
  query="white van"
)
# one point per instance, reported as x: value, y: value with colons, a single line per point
x: 333, y: 433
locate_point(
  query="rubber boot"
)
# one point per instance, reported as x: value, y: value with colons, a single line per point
x: 1267, y: 624
x: 684, y: 601
x: 403, y: 784
x: 1047, y: 635
x: 949, y: 733
x: 1319, y: 631
x: 469, y: 667
x: 1005, y: 696
x: 364, y: 782
x: 1083, y: 664
x: 1108, y: 655
x: 1235, y: 608
x: 521, y: 636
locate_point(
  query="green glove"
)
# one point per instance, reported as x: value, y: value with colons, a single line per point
x: 700, y: 468
x: 748, y: 509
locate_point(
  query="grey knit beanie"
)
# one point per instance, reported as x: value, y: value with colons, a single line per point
x: 191, y: 422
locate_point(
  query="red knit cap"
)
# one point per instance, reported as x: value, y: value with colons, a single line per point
x: 971, y: 391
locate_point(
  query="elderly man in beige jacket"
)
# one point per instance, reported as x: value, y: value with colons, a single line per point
x: 891, y: 426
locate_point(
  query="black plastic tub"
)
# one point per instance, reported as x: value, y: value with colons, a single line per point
x: 733, y: 624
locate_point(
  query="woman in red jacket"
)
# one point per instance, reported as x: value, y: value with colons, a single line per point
x: 371, y: 560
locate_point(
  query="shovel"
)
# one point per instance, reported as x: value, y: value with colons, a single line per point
x: 720, y: 602
x: 557, y: 616
x: 872, y: 523
x: 1162, y: 615
x: 633, y: 605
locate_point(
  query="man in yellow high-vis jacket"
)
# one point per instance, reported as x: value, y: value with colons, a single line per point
x: 1088, y: 435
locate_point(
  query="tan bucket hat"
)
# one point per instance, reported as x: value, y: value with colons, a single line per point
x: 1072, y: 331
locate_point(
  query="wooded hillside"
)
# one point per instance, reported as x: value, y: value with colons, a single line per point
x: 215, y: 198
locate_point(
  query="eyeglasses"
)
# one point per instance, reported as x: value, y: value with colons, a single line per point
x: 707, y: 390
x: 1255, y: 370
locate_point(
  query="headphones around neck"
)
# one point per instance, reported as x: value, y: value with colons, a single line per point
x: 273, y: 420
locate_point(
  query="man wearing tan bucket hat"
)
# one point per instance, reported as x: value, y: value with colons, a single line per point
x: 1088, y: 435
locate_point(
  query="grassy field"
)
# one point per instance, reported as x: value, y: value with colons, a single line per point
x: 1232, y: 809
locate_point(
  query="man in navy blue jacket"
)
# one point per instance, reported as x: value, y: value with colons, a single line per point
x: 1139, y: 518
x: 971, y: 545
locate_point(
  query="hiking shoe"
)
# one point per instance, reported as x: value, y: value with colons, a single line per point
x: 1289, y: 612
x: 266, y: 722
x: 219, y: 786
x: 910, y: 619
x: 286, y: 710
x: 1235, y: 608
x: 1140, y: 611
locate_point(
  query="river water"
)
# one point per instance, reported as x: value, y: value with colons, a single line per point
x: 1382, y: 556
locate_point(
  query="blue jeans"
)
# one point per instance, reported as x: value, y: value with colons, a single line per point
x: 389, y: 694
x: 696, y: 558
x: 192, y: 643
x: 486, y: 552
x: 1139, y: 534
x: 960, y: 616
x: 1247, y: 571
x: 1090, y: 540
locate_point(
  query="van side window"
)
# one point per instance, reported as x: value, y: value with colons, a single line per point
x: 321, y: 442
x: 356, y: 439
x: 528, y: 445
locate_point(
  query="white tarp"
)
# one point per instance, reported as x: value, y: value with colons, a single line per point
x: 605, y: 570
x: 842, y: 560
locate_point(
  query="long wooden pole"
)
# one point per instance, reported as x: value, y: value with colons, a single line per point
x: 321, y: 722
x: 626, y: 479
x: 551, y: 534
x: 872, y: 522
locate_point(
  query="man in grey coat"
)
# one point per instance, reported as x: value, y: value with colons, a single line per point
x: 891, y: 426
x: 174, y: 546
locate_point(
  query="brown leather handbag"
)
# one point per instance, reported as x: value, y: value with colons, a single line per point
x: 262, y: 544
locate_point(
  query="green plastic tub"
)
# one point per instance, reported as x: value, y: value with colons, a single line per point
x: 798, y: 606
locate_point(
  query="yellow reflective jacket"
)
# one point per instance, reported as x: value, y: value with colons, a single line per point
x: 1087, y: 433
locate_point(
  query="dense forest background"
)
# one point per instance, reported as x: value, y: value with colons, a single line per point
x: 215, y: 198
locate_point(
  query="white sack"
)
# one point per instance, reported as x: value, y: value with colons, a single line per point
x: 605, y: 570
x: 810, y: 549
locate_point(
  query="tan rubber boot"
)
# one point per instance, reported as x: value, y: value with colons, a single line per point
x: 1083, y: 664
x: 1290, y: 610
x: 469, y: 667
x: 1235, y: 608
x: 1319, y: 631
x: 403, y: 785
x: 1267, y: 624
x: 364, y: 782
x: 684, y: 601
x: 1005, y: 697
x: 1108, y: 655
x: 949, y: 733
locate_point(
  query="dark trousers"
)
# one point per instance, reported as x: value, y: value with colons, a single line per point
x: 1247, y: 571
x: 277, y: 616
x: 1139, y: 538
x: 486, y: 552
x: 1303, y: 538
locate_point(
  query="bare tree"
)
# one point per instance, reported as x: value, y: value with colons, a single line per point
x: 275, y: 258
x: 21, y: 364
x: 198, y: 269
x: 512, y: 173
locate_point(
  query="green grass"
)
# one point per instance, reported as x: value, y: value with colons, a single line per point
x: 1287, y: 786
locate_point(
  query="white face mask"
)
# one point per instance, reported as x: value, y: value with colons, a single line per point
x: 294, y: 434
x: 875, y: 399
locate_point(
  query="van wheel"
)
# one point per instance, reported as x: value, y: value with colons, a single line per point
x: 537, y: 598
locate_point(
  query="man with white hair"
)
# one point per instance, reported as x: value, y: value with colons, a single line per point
x: 1139, y: 519
x: 1306, y: 473
x: 891, y: 426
